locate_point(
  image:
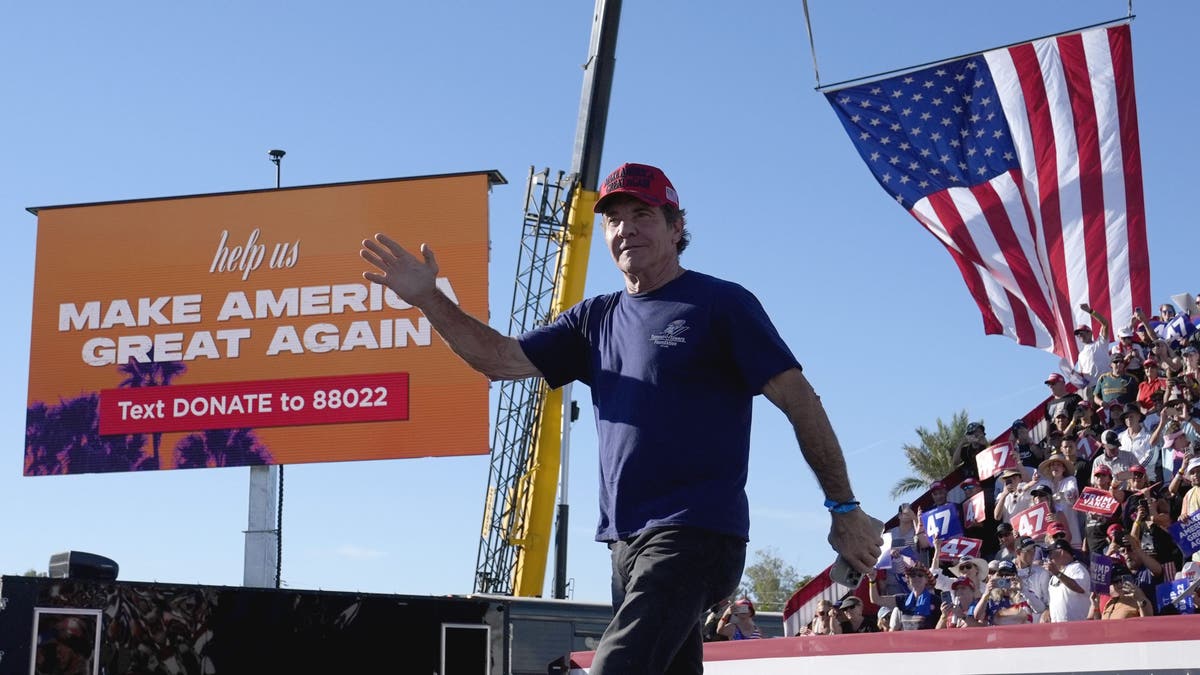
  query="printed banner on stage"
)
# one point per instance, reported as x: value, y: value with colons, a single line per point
x: 991, y: 461
x: 1032, y: 521
x: 236, y: 329
x: 1097, y: 501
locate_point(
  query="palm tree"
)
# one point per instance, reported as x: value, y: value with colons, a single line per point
x: 151, y: 374
x: 933, y: 459
x: 65, y: 438
x: 221, y: 447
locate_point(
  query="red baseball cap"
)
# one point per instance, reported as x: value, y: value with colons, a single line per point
x: 1138, y: 468
x: 1055, y: 378
x: 937, y: 485
x: 642, y: 181
x: 1113, y: 529
x: 1056, y: 528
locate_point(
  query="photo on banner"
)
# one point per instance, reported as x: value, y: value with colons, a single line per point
x: 236, y: 329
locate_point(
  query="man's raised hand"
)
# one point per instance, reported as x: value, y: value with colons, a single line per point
x: 411, y: 279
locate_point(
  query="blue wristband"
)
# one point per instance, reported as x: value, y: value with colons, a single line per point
x: 841, y: 507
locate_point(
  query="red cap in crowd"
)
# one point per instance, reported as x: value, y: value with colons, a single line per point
x: 647, y: 183
x: 1056, y: 528
x: 1114, y: 529
x: 1055, y: 378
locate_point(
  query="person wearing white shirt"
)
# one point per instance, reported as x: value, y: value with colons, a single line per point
x: 1135, y: 439
x: 1070, y: 585
x: 1093, y: 358
x: 1035, y: 580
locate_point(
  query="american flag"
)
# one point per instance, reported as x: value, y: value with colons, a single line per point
x: 1024, y: 162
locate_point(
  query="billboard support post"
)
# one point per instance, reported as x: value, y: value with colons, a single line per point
x: 262, y: 537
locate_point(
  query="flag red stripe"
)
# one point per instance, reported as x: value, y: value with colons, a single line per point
x: 1091, y: 174
x: 1006, y: 238
x: 1029, y: 74
x: 1135, y: 207
x: 966, y: 257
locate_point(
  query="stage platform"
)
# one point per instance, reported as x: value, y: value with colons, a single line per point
x: 1158, y: 645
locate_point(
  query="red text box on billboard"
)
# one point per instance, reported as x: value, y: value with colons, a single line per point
x: 236, y: 329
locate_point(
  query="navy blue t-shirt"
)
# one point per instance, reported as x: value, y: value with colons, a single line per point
x: 672, y: 374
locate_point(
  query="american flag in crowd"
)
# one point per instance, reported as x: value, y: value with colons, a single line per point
x: 1024, y: 162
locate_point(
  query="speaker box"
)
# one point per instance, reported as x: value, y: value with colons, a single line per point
x: 81, y: 565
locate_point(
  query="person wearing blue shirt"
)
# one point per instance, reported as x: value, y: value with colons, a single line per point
x: 673, y: 362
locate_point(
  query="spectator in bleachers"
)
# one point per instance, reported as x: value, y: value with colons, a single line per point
x: 1153, y: 383
x: 1057, y: 473
x: 823, y: 621
x: 960, y: 611
x: 1117, y: 384
x: 1058, y: 522
x: 885, y: 619
x: 937, y: 495
x: 1015, y: 497
x: 1029, y: 454
x: 1172, y: 440
x: 1003, y: 603
x: 1170, y: 361
x: 975, y: 569
x: 1093, y: 358
x: 1129, y: 345
x: 1190, y: 506
x: 964, y: 455
x: 1069, y: 584
x: 738, y: 622
x: 1126, y: 599
x: 1096, y: 526
x: 1035, y: 580
x: 1085, y: 419
x: 1116, y: 459
x: 850, y: 618
x: 1061, y: 401
x: 1191, y: 365
x: 1149, y: 517
x: 919, y: 608
x: 1146, y: 571
x: 1007, y: 543
x: 909, y: 532
x: 1135, y: 439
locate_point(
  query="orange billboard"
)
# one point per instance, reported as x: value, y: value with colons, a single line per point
x: 236, y: 329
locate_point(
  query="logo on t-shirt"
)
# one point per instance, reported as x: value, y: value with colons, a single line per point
x: 671, y: 335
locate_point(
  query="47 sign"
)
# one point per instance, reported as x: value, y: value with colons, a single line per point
x: 956, y: 547
x: 1032, y: 521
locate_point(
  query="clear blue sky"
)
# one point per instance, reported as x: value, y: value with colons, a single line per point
x: 132, y: 100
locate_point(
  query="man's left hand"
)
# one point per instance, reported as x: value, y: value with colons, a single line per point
x: 857, y: 537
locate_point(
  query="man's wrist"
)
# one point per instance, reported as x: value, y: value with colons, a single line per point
x: 845, y: 506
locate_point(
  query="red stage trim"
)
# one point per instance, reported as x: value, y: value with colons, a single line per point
x: 1075, y: 634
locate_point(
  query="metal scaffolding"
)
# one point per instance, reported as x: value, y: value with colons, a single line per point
x: 519, y: 407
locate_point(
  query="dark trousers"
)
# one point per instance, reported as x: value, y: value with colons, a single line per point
x: 662, y: 582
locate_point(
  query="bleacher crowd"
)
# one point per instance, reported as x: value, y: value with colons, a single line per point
x: 1085, y: 509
